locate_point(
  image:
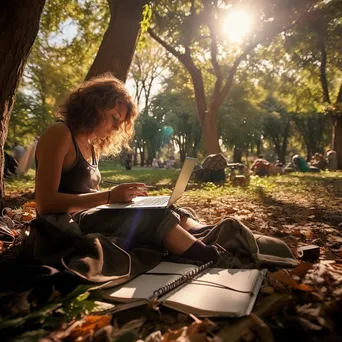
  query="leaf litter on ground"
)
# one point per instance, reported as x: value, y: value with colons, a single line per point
x: 306, y: 301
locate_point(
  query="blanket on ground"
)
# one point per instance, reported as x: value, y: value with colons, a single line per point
x: 56, y: 240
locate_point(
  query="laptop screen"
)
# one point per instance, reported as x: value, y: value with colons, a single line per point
x: 182, y: 180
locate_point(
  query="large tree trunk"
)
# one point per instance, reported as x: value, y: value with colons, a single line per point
x: 206, y: 118
x: 337, y: 135
x: 337, y: 129
x: 210, y: 133
x: 118, y: 45
x: 19, y: 25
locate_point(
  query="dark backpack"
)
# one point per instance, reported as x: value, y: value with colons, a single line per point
x: 215, y: 162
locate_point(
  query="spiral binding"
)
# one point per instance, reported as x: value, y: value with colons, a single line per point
x: 175, y: 283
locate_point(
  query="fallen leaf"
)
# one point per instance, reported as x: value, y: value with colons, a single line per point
x: 30, y: 204
x: 88, y: 325
x: 285, y: 278
x: 301, y: 269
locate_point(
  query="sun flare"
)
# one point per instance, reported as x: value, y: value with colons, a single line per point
x: 236, y: 25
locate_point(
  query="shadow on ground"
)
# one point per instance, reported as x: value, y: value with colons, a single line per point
x: 331, y: 216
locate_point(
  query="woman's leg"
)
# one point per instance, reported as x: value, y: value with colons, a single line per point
x: 177, y: 240
x: 157, y: 228
x: 188, y: 223
x: 180, y: 242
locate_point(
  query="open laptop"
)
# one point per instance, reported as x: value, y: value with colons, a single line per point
x: 147, y: 202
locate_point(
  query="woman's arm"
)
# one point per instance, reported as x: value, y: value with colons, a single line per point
x: 54, y: 148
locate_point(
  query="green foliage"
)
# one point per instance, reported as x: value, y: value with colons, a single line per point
x: 180, y: 125
x: 240, y: 120
x: 27, y: 120
x: 69, y: 36
x: 144, y: 24
x: 75, y: 305
x: 313, y: 130
x: 287, y: 69
x: 277, y: 125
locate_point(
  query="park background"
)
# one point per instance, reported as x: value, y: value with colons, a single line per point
x: 258, y: 88
x: 238, y: 77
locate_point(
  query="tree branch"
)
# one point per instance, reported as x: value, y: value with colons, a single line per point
x: 195, y: 73
x: 168, y: 47
x: 279, y: 28
x: 213, y: 53
x: 322, y: 68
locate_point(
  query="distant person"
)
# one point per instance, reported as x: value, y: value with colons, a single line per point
x: 278, y: 163
x: 161, y: 163
x: 155, y: 163
x: 27, y: 160
x: 331, y: 160
x: 277, y: 168
x: 128, y: 162
x: 319, y: 161
x: 261, y: 167
x: 301, y: 165
x: 18, y: 152
x: 170, y: 163
x: 10, y: 165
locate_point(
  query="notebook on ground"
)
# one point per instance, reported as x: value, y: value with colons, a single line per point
x: 201, y: 290
x: 160, y: 201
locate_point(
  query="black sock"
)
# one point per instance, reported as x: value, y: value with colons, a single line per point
x: 201, y: 252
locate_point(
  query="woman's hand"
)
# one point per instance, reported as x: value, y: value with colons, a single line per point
x: 126, y: 192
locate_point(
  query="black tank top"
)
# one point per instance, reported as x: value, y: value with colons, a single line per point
x: 82, y: 177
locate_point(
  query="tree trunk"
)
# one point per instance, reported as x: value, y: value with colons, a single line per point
x: 210, y: 133
x: 285, y: 141
x: 118, y: 45
x: 206, y: 118
x: 135, y: 157
x: 237, y: 154
x: 258, y: 147
x: 337, y: 139
x: 19, y: 25
x: 337, y: 129
x: 309, y: 152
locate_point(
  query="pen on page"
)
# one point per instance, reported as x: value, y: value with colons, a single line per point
x: 117, y: 183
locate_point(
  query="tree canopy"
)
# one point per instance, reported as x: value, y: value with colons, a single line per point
x: 260, y: 91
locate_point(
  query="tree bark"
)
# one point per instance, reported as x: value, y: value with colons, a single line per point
x: 285, y: 142
x: 237, y: 154
x: 118, y: 45
x: 19, y: 25
x: 337, y: 144
x: 337, y: 129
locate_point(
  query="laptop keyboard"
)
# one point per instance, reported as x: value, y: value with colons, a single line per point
x: 151, y: 201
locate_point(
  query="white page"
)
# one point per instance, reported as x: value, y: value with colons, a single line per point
x: 172, y: 267
x: 206, y: 300
x: 142, y: 287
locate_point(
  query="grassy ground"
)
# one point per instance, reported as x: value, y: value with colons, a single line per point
x: 297, y: 187
x: 301, y: 209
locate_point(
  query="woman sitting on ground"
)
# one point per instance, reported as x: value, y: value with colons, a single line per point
x: 98, y: 119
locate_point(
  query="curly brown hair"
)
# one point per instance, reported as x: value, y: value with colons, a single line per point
x: 84, y: 109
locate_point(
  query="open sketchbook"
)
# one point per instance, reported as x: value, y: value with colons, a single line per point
x: 201, y: 290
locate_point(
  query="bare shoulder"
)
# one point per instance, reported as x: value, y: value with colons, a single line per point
x: 56, y: 137
x: 56, y: 130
